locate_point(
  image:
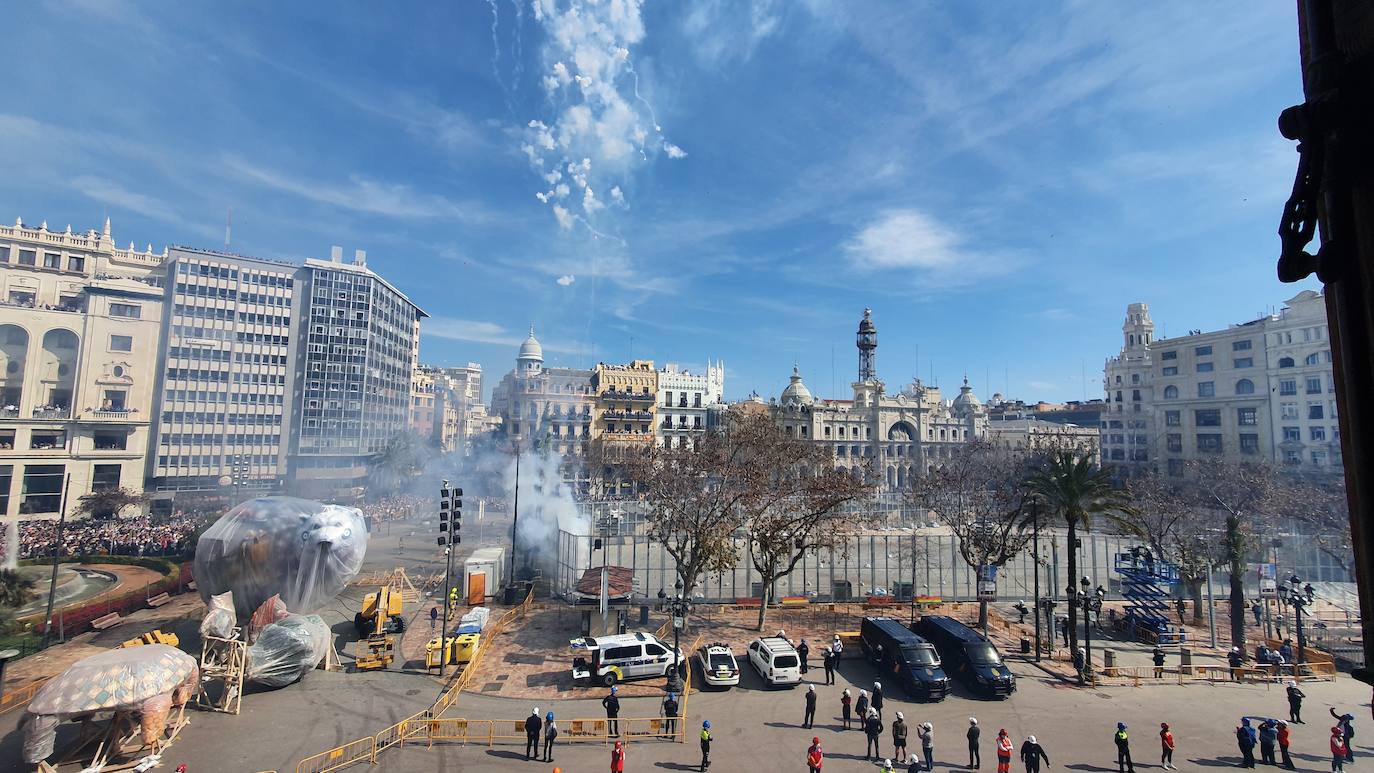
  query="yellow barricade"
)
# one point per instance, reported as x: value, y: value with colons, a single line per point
x: 398, y: 733
x: 361, y: 750
x: 20, y: 697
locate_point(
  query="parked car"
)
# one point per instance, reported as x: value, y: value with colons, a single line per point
x: 898, y: 654
x: 776, y: 661
x: 966, y: 655
x: 717, y: 665
x: 623, y: 657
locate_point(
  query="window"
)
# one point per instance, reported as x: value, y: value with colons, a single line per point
x: 1207, y: 418
x: 1171, y: 392
x: 1209, y: 443
x: 1293, y: 434
x: 1285, y: 362
x: 1204, y: 367
x: 1316, y: 411
x: 1249, y: 444
x: 1246, y: 417
x: 1245, y: 387
x: 1312, y: 359
x: 6, y: 477
x: 1168, y: 355
x: 1288, y: 386
x: 119, y: 343
x: 47, y: 439
x: 1319, y: 458
x: 42, y: 488
x: 52, y: 260
x: 76, y: 264
x: 1317, y: 434
x: 1314, y: 385
x: 1175, y: 443
x: 1202, y: 351
x: 1172, y: 418
x: 105, y: 477
x: 1292, y: 457
x: 1171, y: 370
x: 1240, y: 346
x: 1243, y: 362
x: 125, y: 310
x: 1206, y: 389
x: 1288, y: 410
x: 1135, y: 378
x: 115, y: 400
x: 111, y: 440
x: 28, y: 258
x: 1135, y: 395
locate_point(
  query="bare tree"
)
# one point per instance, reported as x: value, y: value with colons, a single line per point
x: 1167, y: 519
x: 1319, y: 502
x: 980, y: 494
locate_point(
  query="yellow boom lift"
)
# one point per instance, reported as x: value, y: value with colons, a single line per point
x: 378, y: 623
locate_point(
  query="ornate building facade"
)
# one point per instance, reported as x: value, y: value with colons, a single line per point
x: 544, y: 407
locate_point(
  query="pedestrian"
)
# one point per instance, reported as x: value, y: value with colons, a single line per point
x: 1339, y: 750
x: 1284, y: 740
x: 1295, y: 697
x: 838, y: 646
x: 975, y: 757
x: 1032, y: 753
x: 1166, y: 747
x: 433, y: 617
x: 829, y: 659
x: 533, y: 724
x: 1123, y: 749
x: 1080, y: 662
x: 1286, y: 650
x: 803, y: 651
x: 1268, y: 741
x: 1257, y: 610
x: 550, y: 735
x: 844, y: 708
x: 815, y: 756
x: 670, y: 715
x: 612, y: 705
x: 886, y: 767
x: 705, y: 744
x: 1245, y: 741
x: 861, y: 708
x: 877, y: 700
x: 810, y: 718
x: 899, y: 731
x: 1236, y: 661
x: 1347, y: 725
x: 913, y: 764
x: 1180, y: 606
x: 1064, y: 629
x: 927, y: 733
x: 1003, y: 751
x: 873, y: 729
x: 618, y: 758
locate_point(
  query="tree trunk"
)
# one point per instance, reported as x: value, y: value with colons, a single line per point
x: 1195, y: 591
x: 763, y: 600
x: 1235, y: 557
x: 1071, y: 588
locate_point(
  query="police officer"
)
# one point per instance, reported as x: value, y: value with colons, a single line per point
x: 612, y: 706
x: 1295, y: 697
x: 1235, y: 660
x: 873, y: 729
x: 1123, y: 749
x: 877, y: 701
x: 810, y: 718
x: 829, y: 660
x: 804, y: 651
x: 533, y: 724
x: 670, y: 714
x: 1159, y: 662
x: 705, y: 744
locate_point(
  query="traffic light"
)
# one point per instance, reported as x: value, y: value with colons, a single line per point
x: 450, y: 514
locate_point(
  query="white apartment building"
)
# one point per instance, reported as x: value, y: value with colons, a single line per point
x: 1128, y: 425
x: 1298, y: 361
x: 79, y: 335
x: 683, y: 399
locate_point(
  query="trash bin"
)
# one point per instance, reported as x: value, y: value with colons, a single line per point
x: 1025, y: 646
x: 643, y: 614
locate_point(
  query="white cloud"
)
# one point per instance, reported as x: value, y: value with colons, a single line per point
x: 673, y: 151
x: 117, y: 197
x: 565, y: 218
x: 481, y: 332
x: 904, y: 238
x: 722, y: 35
x: 566, y: 280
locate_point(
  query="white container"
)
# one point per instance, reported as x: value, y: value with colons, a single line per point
x: 490, y: 563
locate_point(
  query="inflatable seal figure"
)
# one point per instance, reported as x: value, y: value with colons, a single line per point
x: 303, y: 550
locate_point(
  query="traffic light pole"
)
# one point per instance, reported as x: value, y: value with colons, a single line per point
x: 450, y: 521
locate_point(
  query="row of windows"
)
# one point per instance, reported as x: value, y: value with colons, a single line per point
x: 1315, y: 411
x: 682, y: 399
x: 209, y: 396
x: 52, y: 260
x: 197, y: 374
x: 213, y: 460
x: 212, y: 438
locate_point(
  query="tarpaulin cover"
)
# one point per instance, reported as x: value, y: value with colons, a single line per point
x: 477, y: 618
x: 271, y: 611
x: 219, y: 616
x: 303, y: 550
x: 287, y: 650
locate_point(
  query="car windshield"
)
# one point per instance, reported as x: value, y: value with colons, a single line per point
x: 920, y: 656
x: 785, y: 661
x: 721, y: 660
x: 984, y: 654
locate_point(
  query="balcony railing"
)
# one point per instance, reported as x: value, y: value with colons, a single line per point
x: 634, y: 415
x: 52, y: 412
x: 112, y: 413
x: 638, y: 396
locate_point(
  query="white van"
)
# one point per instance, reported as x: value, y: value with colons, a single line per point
x: 623, y: 657
x: 776, y: 661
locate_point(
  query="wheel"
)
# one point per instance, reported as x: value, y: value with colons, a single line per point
x: 360, y: 623
x: 609, y: 679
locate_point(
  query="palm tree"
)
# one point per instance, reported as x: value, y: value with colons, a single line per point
x: 1072, y: 488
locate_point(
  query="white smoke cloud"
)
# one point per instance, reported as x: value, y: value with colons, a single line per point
x: 566, y: 280
x: 564, y: 217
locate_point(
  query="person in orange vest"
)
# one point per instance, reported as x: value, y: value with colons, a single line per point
x: 1003, y: 751
x: 814, y: 755
x: 1283, y: 745
x: 618, y: 758
x: 1166, y: 747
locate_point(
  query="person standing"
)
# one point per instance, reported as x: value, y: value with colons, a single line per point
x: 433, y: 617
x: 1159, y: 662
x: 838, y: 647
x: 810, y: 718
x: 873, y: 730
x: 550, y: 735
x: 899, y: 731
x: 975, y: 758
x: 670, y: 710
x: 1245, y: 741
x: 705, y: 744
x: 1269, y: 739
x: 1284, y: 740
x: 1347, y: 724
x: 1123, y: 749
x: 1003, y: 751
x: 1032, y: 753
x: 844, y: 708
x: 612, y: 705
x: 877, y: 701
x: 533, y: 724
x: 1166, y: 747
x: 1236, y: 661
x: 1064, y: 629
x: 927, y: 733
x: 1180, y: 606
x: 815, y: 756
x: 1257, y: 610
x: 804, y: 651
x: 1339, y: 750
x: 829, y: 660
x: 1295, y: 697
x: 618, y: 758
x: 861, y: 708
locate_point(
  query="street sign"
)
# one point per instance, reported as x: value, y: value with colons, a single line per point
x: 987, y: 583
x: 1269, y: 581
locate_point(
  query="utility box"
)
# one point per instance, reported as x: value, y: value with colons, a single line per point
x: 484, y: 572
x: 1185, y: 660
x: 1108, y: 659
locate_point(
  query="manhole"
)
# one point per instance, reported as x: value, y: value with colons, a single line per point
x: 502, y: 677
x: 492, y: 687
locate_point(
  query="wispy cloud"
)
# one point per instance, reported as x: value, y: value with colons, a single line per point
x: 116, y: 196
x: 912, y: 240
x: 480, y: 332
x: 727, y: 33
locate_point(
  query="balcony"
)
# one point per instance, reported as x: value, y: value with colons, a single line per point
x: 636, y: 396
x: 631, y: 415
x: 52, y: 412
x: 115, y: 414
x: 9, y: 412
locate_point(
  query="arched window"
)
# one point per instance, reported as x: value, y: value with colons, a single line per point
x: 1286, y: 362
x: 1245, y: 387
x: 1171, y: 393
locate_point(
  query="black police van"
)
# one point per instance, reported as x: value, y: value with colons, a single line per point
x: 967, y: 655
x: 901, y: 655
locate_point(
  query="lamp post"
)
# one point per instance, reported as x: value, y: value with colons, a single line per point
x: 1091, y: 602
x: 679, y: 607
x: 1298, y: 596
x: 1035, y: 556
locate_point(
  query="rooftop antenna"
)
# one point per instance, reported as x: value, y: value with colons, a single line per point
x: 228, y: 228
x: 833, y: 393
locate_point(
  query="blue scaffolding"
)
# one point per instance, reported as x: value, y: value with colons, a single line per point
x: 1145, y: 584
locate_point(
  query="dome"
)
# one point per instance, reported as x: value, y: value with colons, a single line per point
x: 866, y: 324
x: 530, y: 349
x: 796, y: 392
x: 966, y: 402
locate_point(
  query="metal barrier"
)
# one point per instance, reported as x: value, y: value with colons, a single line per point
x: 15, y: 698
x: 1142, y: 675
x: 491, y: 731
x: 397, y: 734
x: 361, y: 750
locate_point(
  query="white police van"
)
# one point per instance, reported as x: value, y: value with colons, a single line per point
x: 623, y: 657
x: 776, y: 661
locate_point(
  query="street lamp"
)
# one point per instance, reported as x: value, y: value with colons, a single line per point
x: 1091, y: 603
x: 679, y: 607
x: 1298, y: 596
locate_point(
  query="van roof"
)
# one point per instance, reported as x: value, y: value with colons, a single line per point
x: 894, y: 628
x: 776, y: 643
x: 618, y: 639
x: 951, y: 628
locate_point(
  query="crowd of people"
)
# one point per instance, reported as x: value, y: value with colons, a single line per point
x: 394, y: 508
x: 139, y: 536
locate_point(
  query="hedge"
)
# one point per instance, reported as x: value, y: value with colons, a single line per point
x: 164, y: 566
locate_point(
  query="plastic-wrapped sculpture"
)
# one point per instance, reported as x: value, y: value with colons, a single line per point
x: 219, y: 620
x: 147, y: 682
x: 303, y: 550
x: 287, y: 650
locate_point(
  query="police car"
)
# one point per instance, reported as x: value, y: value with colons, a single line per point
x: 717, y: 665
x: 623, y: 657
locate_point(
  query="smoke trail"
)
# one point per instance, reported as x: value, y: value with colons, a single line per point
x: 519, y: 33
x: 630, y: 67
x: 496, y: 50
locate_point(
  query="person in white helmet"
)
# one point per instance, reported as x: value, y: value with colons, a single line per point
x: 899, y: 732
x: 927, y: 734
x: 975, y: 758
x: 1032, y: 753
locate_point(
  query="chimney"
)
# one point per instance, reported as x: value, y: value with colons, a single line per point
x: 360, y: 258
x: 336, y: 254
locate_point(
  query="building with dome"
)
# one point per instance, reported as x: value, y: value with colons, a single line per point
x: 544, y: 407
x: 892, y: 437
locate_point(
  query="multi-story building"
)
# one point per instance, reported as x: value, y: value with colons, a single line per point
x: 79, y: 332
x: 1260, y: 389
x: 540, y: 407
x: 422, y: 402
x: 358, y: 340
x: 225, y: 372
x: 1039, y: 434
x: 684, y: 398
x: 626, y: 401
x: 442, y: 401
x: 894, y: 438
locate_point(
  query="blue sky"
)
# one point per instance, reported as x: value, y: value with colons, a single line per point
x: 717, y: 179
